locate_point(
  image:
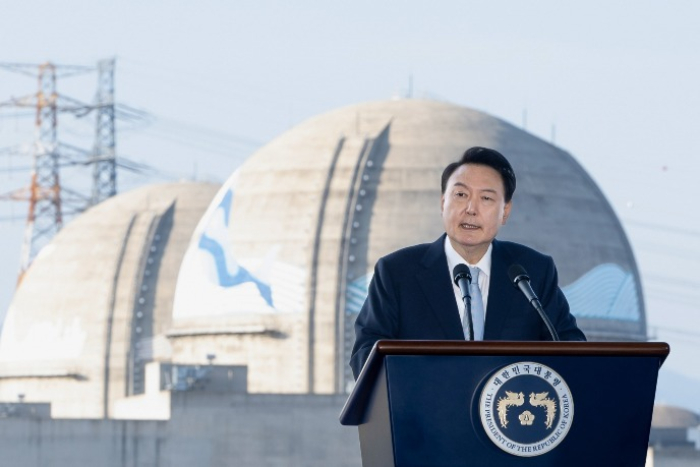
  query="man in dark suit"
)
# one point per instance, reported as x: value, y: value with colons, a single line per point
x: 412, y: 294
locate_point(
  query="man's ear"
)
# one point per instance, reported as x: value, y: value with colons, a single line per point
x: 506, y: 211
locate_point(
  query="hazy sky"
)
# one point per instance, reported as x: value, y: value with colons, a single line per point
x: 614, y: 83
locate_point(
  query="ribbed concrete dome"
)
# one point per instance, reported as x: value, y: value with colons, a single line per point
x: 96, y: 302
x: 287, y: 249
x: 668, y: 416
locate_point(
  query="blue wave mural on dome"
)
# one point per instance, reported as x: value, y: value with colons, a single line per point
x: 228, y: 272
x: 614, y: 291
x: 356, y: 293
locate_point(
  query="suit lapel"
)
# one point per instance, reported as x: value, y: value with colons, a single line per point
x: 501, y: 293
x: 436, y: 284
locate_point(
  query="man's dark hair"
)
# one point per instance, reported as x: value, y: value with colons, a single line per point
x: 489, y: 158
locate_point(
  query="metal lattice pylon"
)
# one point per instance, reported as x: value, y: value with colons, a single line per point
x: 49, y: 202
x: 45, y: 218
x: 104, y: 157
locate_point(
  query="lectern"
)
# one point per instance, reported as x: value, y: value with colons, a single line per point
x: 491, y: 403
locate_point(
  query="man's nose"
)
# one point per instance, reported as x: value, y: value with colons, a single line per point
x: 471, y: 207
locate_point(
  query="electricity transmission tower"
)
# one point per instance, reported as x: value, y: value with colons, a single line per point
x: 104, y: 174
x: 48, y: 199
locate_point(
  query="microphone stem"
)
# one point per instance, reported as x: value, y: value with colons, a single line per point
x: 538, y: 306
x: 468, y: 306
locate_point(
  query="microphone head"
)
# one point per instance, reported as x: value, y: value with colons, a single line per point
x: 461, y: 271
x: 517, y: 273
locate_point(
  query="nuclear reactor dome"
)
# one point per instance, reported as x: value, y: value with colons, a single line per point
x: 279, y: 265
x: 270, y: 271
x: 94, y: 306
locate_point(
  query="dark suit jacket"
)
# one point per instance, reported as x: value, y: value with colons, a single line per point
x: 411, y: 297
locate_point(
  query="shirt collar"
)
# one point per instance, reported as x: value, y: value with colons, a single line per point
x: 454, y: 258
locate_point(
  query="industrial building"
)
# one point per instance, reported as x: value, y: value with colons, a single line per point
x: 190, y: 324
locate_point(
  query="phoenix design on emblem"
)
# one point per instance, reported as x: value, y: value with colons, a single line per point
x: 541, y: 400
x: 511, y: 399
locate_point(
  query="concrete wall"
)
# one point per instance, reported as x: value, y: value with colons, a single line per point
x: 206, y: 430
x: 675, y: 457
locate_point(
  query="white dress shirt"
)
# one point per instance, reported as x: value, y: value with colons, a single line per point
x: 484, y: 265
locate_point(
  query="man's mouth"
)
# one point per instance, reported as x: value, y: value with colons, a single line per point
x: 469, y: 226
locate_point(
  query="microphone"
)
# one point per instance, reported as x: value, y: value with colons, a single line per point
x: 463, y: 278
x: 521, y: 280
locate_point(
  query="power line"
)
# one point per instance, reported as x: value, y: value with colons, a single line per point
x: 662, y: 227
x: 12, y: 218
x: 208, y: 145
x: 190, y: 80
x: 684, y: 332
x: 17, y: 115
x: 62, y: 71
x: 672, y: 281
x: 49, y: 199
x: 210, y: 132
x: 680, y: 334
x: 690, y: 301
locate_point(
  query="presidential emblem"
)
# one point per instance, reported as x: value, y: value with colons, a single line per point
x: 526, y: 409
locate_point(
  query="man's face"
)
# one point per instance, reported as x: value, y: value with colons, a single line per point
x: 473, y: 209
